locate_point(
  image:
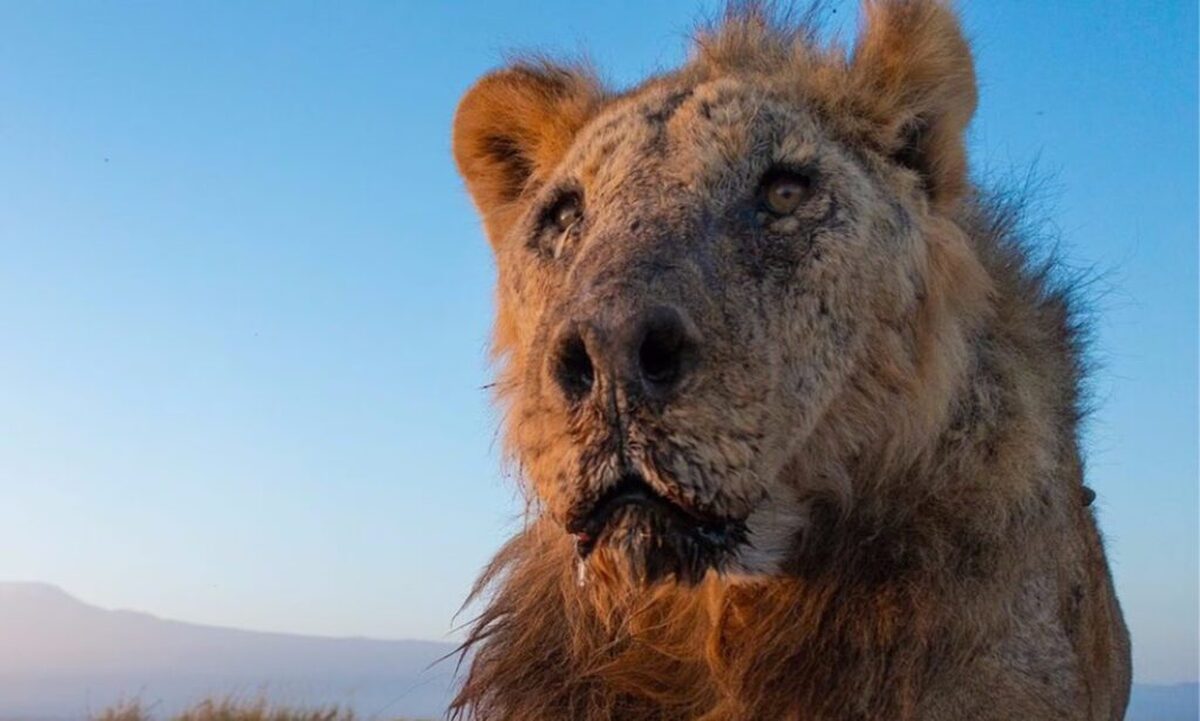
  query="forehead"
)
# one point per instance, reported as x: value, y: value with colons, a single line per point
x: 689, y: 132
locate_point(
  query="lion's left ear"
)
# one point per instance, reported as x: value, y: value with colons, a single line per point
x: 913, y: 76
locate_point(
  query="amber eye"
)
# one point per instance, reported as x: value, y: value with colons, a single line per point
x: 566, y: 212
x: 783, y: 192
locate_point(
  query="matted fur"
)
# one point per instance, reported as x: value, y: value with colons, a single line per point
x: 922, y: 545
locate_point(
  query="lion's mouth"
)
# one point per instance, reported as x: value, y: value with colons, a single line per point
x: 658, y: 535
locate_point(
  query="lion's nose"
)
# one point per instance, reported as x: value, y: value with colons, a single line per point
x: 666, y: 349
x: 650, y: 352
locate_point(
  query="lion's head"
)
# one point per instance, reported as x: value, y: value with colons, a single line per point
x: 722, y: 288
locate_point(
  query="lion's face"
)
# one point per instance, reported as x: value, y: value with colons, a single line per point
x: 691, y: 289
x: 694, y: 279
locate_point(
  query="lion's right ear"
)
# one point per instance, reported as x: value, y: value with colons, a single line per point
x: 512, y: 128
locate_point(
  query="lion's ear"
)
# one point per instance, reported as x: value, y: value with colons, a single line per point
x: 512, y: 128
x: 913, y: 74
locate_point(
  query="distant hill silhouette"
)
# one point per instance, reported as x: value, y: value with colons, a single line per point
x: 61, y: 658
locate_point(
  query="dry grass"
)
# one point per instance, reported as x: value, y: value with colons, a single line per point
x: 228, y: 710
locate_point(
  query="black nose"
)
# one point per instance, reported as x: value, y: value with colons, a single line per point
x: 665, y: 349
x: 650, y: 352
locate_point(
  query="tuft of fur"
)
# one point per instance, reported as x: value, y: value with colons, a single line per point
x: 927, y: 553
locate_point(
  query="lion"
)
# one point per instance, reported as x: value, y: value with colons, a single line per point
x: 796, y: 413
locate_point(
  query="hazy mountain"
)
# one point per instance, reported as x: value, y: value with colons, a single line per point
x: 61, y: 658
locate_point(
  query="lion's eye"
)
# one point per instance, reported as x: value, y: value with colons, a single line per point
x: 557, y: 222
x: 783, y: 192
x: 566, y: 212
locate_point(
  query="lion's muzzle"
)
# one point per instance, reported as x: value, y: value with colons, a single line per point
x: 655, y: 535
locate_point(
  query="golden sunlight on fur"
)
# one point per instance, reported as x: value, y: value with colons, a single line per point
x: 796, y: 415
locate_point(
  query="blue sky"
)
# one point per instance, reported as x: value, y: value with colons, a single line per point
x: 245, y: 301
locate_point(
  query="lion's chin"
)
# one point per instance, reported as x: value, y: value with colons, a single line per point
x: 649, y: 538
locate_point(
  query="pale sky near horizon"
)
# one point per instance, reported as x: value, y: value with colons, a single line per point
x: 244, y: 300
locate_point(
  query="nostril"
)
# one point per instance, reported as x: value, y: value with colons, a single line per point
x: 573, y: 369
x: 664, y: 349
x: 659, y: 358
